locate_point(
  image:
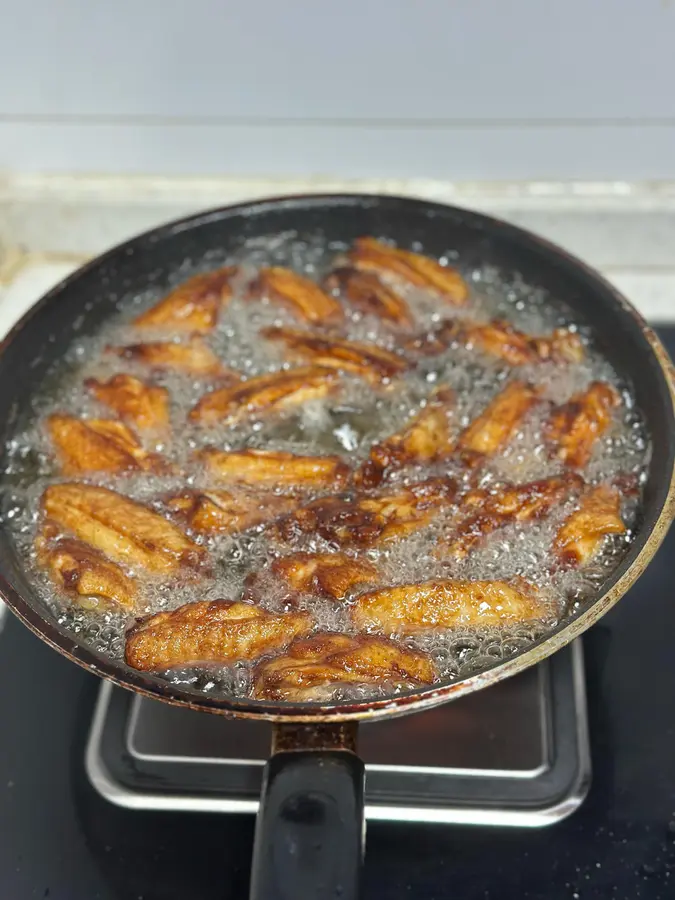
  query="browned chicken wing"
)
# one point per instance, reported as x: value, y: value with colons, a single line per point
x: 210, y: 631
x: 124, y: 530
x: 193, y: 357
x: 582, y: 535
x: 488, y: 510
x: 574, y: 427
x: 425, y: 439
x: 99, y: 445
x: 275, y: 468
x: 500, y: 339
x: 365, y: 520
x: 322, y: 574
x: 145, y: 406
x: 264, y: 394
x: 85, y: 573
x: 302, y: 297
x: 365, y: 360
x: 491, y: 431
x: 448, y: 604
x: 313, y: 667
x: 371, y: 255
x: 367, y: 293
x: 229, y: 512
x: 193, y: 306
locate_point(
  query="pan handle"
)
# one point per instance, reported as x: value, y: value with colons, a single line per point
x: 309, y: 834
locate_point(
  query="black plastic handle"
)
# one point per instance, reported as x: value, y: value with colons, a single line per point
x: 309, y: 834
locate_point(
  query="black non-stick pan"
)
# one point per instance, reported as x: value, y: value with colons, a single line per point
x: 309, y: 838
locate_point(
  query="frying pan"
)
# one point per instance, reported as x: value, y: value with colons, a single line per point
x: 309, y: 835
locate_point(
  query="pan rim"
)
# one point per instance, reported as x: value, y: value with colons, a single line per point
x: 410, y: 701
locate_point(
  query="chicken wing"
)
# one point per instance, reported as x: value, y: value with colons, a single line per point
x: 425, y: 439
x: 193, y: 357
x: 500, y: 339
x: 312, y: 668
x: 99, y: 445
x: 367, y: 361
x: 574, y: 427
x: 275, y: 468
x: 85, y: 573
x: 367, y: 293
x: 302, y: 297
x: 448, y: 604
x: 322, y: 574
x: 582, y: 535
x: 210, y: 631
x: 144, y: 405
x: 365, y: 520
x: 229, y: 512
x: 124, y: 530
x: 371, y: 255
x: 491, y: 431
x: 264, y: 394
x: 489, y: 510
x: 193, y: 306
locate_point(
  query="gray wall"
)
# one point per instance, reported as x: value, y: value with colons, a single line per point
x: 436, y: 88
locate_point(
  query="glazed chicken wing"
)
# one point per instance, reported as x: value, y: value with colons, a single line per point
x: 366, y: 361
x: 369, y: 295
x: 574, y: 427
x: 302, y: 297
x: 491, y: 431
x: 582, y: 535
x: 145, y: 406
x: 124, y: 530
x: 210, y: 631
x: 313, y: 667
x: 366, y: 520
x: 99, y: 445
x: 193, y: 306
x: 448, y: 604
x: 322, y: 574
x: 275, y: 468
x: 229, y: 512
x: 488, y: 510
x: 192, y: 357
x: 371, y: 255
x: 425, y: 439
x: 264, y: 394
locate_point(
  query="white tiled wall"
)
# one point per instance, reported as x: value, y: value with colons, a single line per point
x: 441, y: 88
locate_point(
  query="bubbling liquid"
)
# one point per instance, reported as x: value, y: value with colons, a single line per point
x: 347, y: 424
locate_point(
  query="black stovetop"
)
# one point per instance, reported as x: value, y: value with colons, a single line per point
x: 60, y: 840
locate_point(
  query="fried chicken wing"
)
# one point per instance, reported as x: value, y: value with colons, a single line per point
x: 367, y: 361
x: 488, y: 510
x: 124, y: 530
x: 500, y: 339
x: 448, y: 604
x: 264, y: 394
x: 145, y: 406
x: 491, y: 431
x: 582, y: 535
x: 371, y: 255
x: 229, y: 512
x: 302, y: 297
x: 364, y: 519
x: 575, y: 426
x: 275, y: 468
x: 322, y: 574
x: 193, y: 306
x: 85, y: 573
x: 367, y: 293
x: 210, y: 631
x: 425, y: 439
x: 99, y: 445
x: 193, y: 357
x: 313, y: 667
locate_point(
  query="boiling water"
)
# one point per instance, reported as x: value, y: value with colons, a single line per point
x: 347, y: 425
